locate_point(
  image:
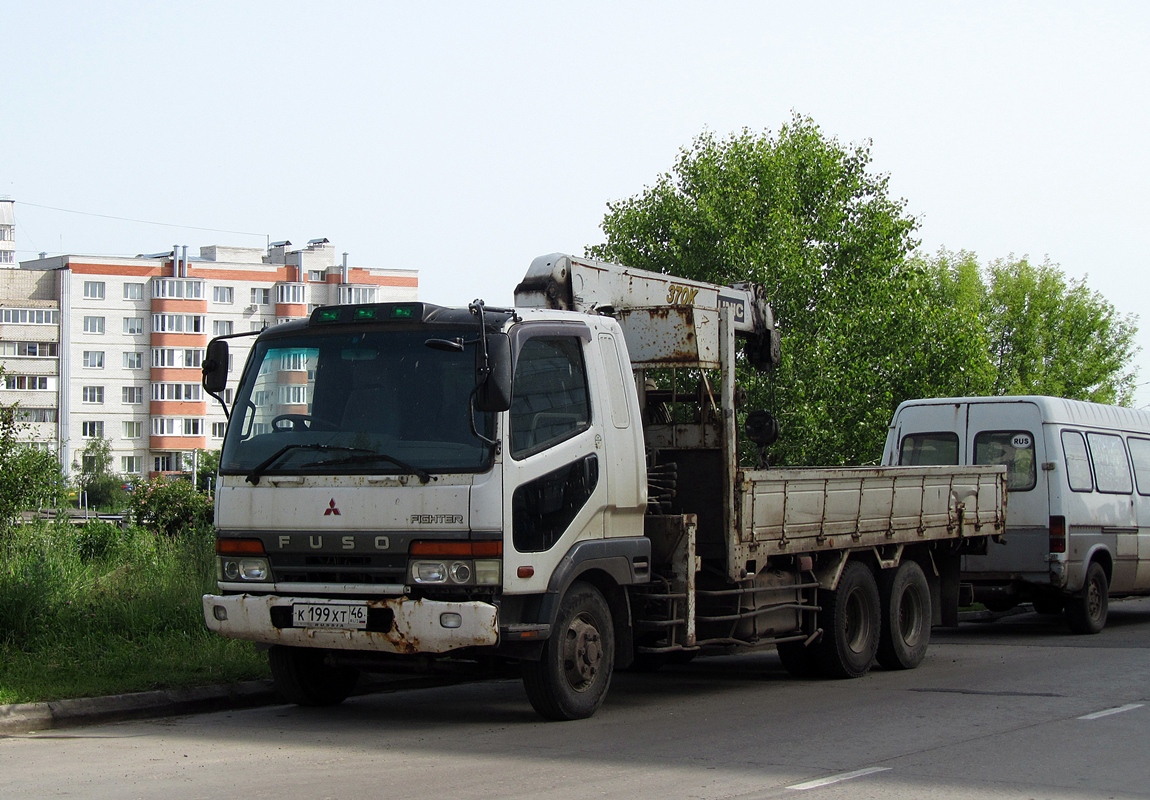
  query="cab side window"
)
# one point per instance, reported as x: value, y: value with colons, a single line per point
x: 550, y: 402
x: 1015, y: 449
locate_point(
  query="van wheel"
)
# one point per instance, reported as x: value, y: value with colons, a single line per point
x: 1086, y: 612
x: 305, y: 677
x: 571, y: 678
x: 852, y: 621
x: 906, y: 617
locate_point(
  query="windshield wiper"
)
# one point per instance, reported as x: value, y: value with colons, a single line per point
x: 370, y: 456
x: 258, y: 470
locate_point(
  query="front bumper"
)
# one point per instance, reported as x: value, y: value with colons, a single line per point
x: 415, y: 626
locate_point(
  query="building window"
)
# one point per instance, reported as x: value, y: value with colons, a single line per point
x: 133, y: 395
x: 165, y: 357
x: 93, y: 290
x: 35, y: 414
x: 223, y: 294
x: 221, y: 327
x: 30, y: 316
x: 316, y: 275
x: 257, y: 325
x: 290, y: 293
x: 193, y: 426
x: 131, y: 465
x: 177, y: 323
x: 349, y: 295
x: 94, y: 359
x: 26, y: 382
x: 93, y: 324
x: 133, y: 291
x: 177, y: 288
x: 293, y: 362
x: 261, y: 297
x: 39, y: 349
x: 133, y: 325
x: 293, y: 395
x: 218, y: 429
x: 164, y: 426
x: 92, y: 429
x: 93, y: 394
x: 167, y: 462
x: 133, y: 429
x: 133, y: 360
x: 7, y: 233
x: 177, y: 391
x: 193, y: 358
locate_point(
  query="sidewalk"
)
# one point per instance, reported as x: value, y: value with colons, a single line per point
x: 27, y: 717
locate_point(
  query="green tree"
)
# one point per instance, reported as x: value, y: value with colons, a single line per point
x: 102, y: 486
x: 29, y: 477
x: 808, y: 218
x: 170, y: 506
x: 208, y: 467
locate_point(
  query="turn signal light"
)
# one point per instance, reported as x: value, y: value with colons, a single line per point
x: 239, y: 547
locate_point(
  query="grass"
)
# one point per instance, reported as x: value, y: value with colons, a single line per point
x: 92, y: 609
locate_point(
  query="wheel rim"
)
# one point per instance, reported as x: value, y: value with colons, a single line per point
x: 857, y: 623
x: 910, y: 616
x: 582, y: 652
x: 1094, y: 600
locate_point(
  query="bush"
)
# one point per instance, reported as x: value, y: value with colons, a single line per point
x: 170, y: 507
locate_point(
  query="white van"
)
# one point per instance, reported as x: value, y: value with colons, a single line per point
x: 1078, y: 505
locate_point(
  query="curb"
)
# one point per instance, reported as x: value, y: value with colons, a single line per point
x: 27, y: 717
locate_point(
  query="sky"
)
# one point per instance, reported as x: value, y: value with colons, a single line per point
x: 463, y: 139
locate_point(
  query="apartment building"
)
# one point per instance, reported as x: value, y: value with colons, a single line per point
x: 7, y: 234
x: 113, y: 345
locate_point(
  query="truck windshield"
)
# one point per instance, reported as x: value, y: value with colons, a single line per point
x: 357, y: 402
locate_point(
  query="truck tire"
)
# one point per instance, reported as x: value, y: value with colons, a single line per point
x: 906, y: 616
x: 1086, y: 612
x: 303, y: 676
x: 852, y: 622
x: 571, y: 678
x: 799, y: 660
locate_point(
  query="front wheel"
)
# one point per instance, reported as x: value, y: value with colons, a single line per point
x: 571, y: 678
x: 306, y: 677
x: 1087, y: 611
x: 852, y: 624
x: 906, y: 617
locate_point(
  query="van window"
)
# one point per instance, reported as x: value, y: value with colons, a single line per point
x: 1111, y: 469
x: 1140, y: 455
x: 929, y: 449
x: 1077, y: 462
x: 1015, y: 449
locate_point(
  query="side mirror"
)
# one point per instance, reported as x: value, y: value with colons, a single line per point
x: 493, y: 393
x: 215, y: 366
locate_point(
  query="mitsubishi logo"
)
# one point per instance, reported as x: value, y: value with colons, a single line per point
x: 331, y: 509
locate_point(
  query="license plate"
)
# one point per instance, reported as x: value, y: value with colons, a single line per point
x: 329, y: 615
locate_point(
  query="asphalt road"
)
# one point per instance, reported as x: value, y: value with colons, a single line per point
x: 1017, y: 708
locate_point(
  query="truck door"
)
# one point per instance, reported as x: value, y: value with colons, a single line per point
x: 1011, y: 433
x: 555, y: 472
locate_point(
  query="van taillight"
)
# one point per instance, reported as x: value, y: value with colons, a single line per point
x: 1058, y: 534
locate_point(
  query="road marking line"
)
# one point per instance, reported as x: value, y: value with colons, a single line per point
x: 844, y: 776
x: 1109, y: 711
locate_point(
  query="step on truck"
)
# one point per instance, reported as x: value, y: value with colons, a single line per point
x: 404, y: 486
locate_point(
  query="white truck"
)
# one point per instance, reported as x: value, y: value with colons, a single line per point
x: 406, y: 486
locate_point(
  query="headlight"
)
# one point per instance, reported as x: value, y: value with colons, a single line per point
x: 429, y: 572
x: 242, y: 569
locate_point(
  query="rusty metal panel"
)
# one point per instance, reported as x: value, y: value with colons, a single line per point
x: 416, y: 627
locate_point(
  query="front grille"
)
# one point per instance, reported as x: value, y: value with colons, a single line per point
x: 324, y: 568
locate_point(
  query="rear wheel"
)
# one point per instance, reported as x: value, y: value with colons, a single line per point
x: 906, y: 617
x: 1086, y: 612
x: 571, y: 678
x: 851, y: 619
x: 306, y: 677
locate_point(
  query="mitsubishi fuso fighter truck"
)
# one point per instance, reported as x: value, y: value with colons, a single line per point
x: 406, y: 486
